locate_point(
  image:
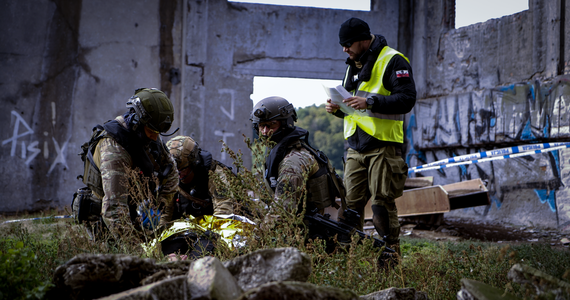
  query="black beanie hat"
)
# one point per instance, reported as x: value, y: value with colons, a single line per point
x: 353, y: 30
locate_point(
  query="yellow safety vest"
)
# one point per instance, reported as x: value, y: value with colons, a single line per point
x: 384, y: 127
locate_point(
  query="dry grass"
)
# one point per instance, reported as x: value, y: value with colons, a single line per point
x: 432, y: 267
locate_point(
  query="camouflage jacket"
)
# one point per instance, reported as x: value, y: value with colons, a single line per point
x: 115, y: 162
x: 293, y: 171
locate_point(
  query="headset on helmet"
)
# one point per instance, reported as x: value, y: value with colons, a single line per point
x: 274, y: 108
x: 152, y: 108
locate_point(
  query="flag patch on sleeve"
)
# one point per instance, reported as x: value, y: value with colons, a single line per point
x: 402, y: 73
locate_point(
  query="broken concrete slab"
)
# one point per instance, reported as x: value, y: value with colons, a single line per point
x: 172, y: 288
x: 209, y: 279
x: 544, y: 284
x: 476, y: 290
x: 267, y: 265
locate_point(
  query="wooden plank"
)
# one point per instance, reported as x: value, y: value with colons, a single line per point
x: 422, y: 201
x: 468, y: 193
x: 465, y: 187
x: 438, y: 199
x: 418, y: 182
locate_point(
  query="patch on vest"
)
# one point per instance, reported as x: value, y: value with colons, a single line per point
x: 402, y: 73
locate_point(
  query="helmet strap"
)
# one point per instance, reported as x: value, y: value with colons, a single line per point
x: 175, y: 131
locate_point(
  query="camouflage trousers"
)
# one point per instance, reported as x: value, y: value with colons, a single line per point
x: 379, y: 176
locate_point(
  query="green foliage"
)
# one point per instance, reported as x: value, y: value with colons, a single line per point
x: 326, y: 132
x: 432, y: 267
x: 30, y: 252
x: 19, y: 276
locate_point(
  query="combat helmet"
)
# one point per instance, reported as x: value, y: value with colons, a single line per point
x: 184, y: 150
x: 151, y: 107
x: 274, y: 108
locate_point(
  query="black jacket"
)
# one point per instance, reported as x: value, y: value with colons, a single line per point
x: 401, y: 100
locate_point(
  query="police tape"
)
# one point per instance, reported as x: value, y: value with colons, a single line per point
x: 490, y: 156
x: 34, y: 219
x: 492, y: 153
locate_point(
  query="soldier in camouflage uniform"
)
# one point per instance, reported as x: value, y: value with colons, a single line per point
x: 130, y: 141
x: 291, y: 170
x: 197, y: 191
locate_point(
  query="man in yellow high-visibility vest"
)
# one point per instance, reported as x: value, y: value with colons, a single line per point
x: 383, y: 90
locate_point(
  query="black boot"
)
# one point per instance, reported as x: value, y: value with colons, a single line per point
x: 380, y: 220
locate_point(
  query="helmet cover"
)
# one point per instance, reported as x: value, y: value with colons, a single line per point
x: 152, y: 108
x: 184, y: 150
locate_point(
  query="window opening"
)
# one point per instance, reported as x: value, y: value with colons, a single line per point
x: 469, y: 12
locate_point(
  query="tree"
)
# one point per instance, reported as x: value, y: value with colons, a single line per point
x: 326, y: 133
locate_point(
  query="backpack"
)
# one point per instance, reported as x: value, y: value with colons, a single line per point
x: 91, y: 173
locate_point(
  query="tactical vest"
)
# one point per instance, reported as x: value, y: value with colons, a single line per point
x: 384, y: 127
x: 150, y: 163
x: 87, y: 202
x: 325, y: 185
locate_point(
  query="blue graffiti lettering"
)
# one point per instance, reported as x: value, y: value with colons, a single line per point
x: 547, y: 196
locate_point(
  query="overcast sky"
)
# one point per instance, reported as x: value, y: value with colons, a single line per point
x: 306, y: 92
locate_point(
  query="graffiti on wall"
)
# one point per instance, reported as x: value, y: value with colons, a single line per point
x: 29, y: 152
x: 523, y: 113
x: 230, y: 114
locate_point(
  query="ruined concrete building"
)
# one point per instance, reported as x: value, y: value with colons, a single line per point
x: 68, y: 65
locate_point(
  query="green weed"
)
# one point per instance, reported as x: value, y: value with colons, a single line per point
x: 31, y: 251
x: 20, y: 272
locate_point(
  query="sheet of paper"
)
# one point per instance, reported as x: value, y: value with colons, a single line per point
x: 343, y: 92
x: 337, y: 97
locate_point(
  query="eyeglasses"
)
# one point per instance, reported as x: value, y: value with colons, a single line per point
x: 347, y: 44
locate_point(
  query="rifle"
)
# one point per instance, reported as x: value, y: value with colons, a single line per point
x: 324, y: 228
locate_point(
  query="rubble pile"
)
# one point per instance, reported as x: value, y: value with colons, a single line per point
x: 279, y: 273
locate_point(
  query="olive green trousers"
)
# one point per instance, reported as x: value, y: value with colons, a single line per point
x: 379, y: 176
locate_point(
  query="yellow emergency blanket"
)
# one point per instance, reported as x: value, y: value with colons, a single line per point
x: 231, y: 229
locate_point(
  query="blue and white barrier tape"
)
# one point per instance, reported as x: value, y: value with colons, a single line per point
x: 493, y: 153
x: 34, y: 219
x: 542, y: 149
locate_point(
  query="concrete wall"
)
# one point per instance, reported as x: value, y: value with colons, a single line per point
x: 68, y: 65
x: 228, y: 43
x: 491, y: 85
